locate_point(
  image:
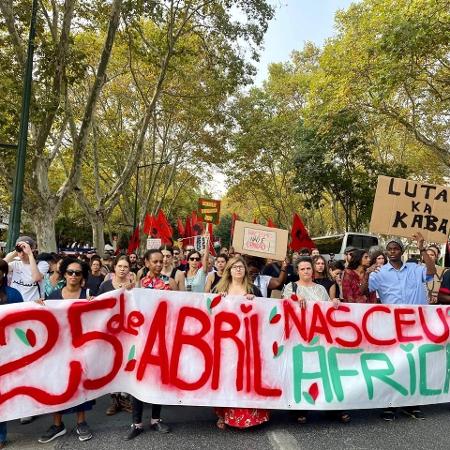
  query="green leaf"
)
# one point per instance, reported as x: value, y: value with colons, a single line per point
x: 308, y: 398
x: 273, y: 313
x: 315, y: 340
x: 132, y: 353
x: 407, y: 347
x: 22, y: 336
x: 208, y: 305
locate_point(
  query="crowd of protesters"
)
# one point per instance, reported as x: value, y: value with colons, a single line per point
x: 364, y: 276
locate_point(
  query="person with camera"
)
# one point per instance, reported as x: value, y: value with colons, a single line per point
x: 27, y: 276
x: 27, y: 273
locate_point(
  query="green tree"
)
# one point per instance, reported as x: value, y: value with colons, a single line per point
x: 336, y: 160
x: 391, y: 59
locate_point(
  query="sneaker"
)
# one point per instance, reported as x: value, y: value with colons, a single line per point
x: 135, y: 431
x: 388, y: 415
x: 52, y: 433
x: 160, y: 427
x: 26, y: 420
x: 414, y: 412
x: 83, y: 431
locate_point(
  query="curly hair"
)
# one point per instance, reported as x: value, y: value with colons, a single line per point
x: 66, y: 262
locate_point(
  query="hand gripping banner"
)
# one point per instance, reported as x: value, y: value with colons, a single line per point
x: 178, y: 348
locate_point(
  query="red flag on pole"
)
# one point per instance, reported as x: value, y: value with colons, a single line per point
x: 188, y: 232
x: 148, y: 224
x: 165, y: 231
x: 212, y: 251
x: 180, y: 227
x: 299, y: 236
x: 197, y: 226
x: 134, y: 241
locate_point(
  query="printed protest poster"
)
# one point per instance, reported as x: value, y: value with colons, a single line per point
x: 257, y: 240
x: 209, y: 210
x: 200, y: 243
x: 404, y: 207
x: 153, y: 243
x: 186, y: 348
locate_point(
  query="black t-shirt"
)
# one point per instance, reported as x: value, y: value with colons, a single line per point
x: 325, y: 282
x: 93, y: 283
x: 106, y: 286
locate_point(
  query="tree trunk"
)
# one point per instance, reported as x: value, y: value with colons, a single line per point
x: 98, y: 233
x: 44, y: 220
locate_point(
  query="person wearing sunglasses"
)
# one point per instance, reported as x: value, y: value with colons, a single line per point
x: 196, y: 275
x: 236, y: 281
x: 75, y: 273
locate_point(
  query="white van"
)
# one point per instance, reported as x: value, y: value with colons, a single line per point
x: 333, y: 247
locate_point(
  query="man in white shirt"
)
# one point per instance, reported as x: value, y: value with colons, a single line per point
x: 27, y: 274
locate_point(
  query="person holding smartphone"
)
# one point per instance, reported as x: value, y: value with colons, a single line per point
x: 27, y: 274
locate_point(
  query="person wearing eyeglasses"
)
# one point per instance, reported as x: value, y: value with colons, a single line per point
x: 75, y: 274
x: 196, y: 275
x: 236, y: 281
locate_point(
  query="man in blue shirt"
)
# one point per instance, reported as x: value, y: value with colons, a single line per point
x: 402, y: 283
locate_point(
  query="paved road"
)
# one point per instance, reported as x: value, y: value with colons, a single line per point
x: 194, y: 428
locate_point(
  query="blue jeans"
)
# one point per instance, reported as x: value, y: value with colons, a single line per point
x: 2, y: 432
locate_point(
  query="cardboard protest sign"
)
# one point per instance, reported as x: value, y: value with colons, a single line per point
x: 404, y: 207
x: 181, y: 348
x: 153, y: 243
x: 258, y: 240
x: 209, y: 210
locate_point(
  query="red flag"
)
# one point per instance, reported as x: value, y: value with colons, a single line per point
x: 148, y: 223
x: 180, y: 227
x: 197, y: 226
x: 165, y: 231
x: 299, y: 236
x: 151, y: 226
x: 212, y: 250
x: 134, y: 241
x: 271, y: 224
x: 188, y: 232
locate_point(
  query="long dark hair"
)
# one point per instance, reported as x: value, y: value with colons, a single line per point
x: 357, y: 256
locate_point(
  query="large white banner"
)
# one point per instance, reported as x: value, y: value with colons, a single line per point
x: 196, y: 349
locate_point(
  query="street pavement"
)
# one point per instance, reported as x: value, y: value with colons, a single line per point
x: 194, y: 428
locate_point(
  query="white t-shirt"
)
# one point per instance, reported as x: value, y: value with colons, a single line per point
x: 262, y: 282
x: 22, y: 280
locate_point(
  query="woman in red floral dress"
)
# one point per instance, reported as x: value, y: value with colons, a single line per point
x: 236, y: 281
